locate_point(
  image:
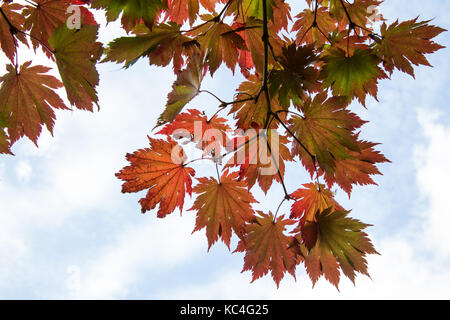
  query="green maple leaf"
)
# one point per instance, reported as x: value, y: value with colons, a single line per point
x: 352, y: 76
x: 132, y: 10
x: 326, y: 130
x: 340, y: 243
x: 252, y: 8
x: 161, y: 45
x: 297, y: 76
x: 184, y: 89
x: 76, y: 53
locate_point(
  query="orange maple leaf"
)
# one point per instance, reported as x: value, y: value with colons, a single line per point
x: 210, y: 134
x: 161, y: 170
x: 27, y: 100
x: 222, y: 207
x: 267, y: 248
x: 310, y: 199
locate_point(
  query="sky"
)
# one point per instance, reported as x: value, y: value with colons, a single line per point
x: 67, y: 232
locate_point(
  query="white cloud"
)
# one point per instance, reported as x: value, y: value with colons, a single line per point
x: 146, y: 249
x: 433, y: 177
x: 23, y: 171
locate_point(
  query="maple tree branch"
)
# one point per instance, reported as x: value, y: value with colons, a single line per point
x: 313, y: 157
x: 195, y: 160
x: 239, y: 146
x: 218, y: 174
x: 286, y: 194
x: 212, y: 94
x: 315, y: 25
x: 278, y: 209
x: 288, y: 111
x: 294, y: 136
x: 215, y: 19
x: 353, y: 25
x: 265, y: 88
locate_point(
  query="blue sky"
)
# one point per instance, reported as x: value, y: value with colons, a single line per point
x: 66, y: 231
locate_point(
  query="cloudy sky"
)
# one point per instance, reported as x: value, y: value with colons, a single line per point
x: 66, y: 231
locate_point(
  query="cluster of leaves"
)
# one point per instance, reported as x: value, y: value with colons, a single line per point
x: 28, y: 94
x: 301, y: 74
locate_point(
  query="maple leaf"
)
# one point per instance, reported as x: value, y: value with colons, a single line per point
x: 251, y: 8
x: 10, y: 22
x: 161, y: 170
x: 4, y: 142
x: 297, y: 76
x: 309, y: 200
x: 352, y: 76
x: 222, y: 207
x: 261, y: 158
x: 361, y: 12
x: 349, y: 44
x: 357, y: 169
x: 267, y: 248
x: 250, y: 114
x: 406, y: 43
x: 133, y: 12
x: 210, y: 134
x: 181, y: 10
x: 27, y: 100
x: 76, y: 53
x: 184, y: 89
x: 281, y: 16
x: 326, y: 132
x: 340, y: 245
x: 308, y: 32
x: 161, y: 45
x: 219, y: 42
x: 43, y: 19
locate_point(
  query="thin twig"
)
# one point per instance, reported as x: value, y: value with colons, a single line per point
x: 212, y: 94
x: 286, y: 194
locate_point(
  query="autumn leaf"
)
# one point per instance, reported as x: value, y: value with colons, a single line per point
x: 405, y: 44
x: 163, y: 44
x: 184, y: 89
x: 261, y: 158
x: 340, y: 245
x: 267, y: 248
x: 297, y: 76
x: 281, y: 16
x: 10, y: 22
x: 352, y: 76
x: 27, y: 100
x: 357, y: 169
x: 362, y: 11
x: 76, y: 53
x: 161, y: 170
x: 4, y: 143
x: 325, y: 131
x: 181, y: 10
x: 222, y: 207
x: 251, y: 8
x: 43, y: 19
x: 308, y: 32
x: 247, y: 112
x: 310, y: 199
x: 220, y: 44
x: 209, y: 134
